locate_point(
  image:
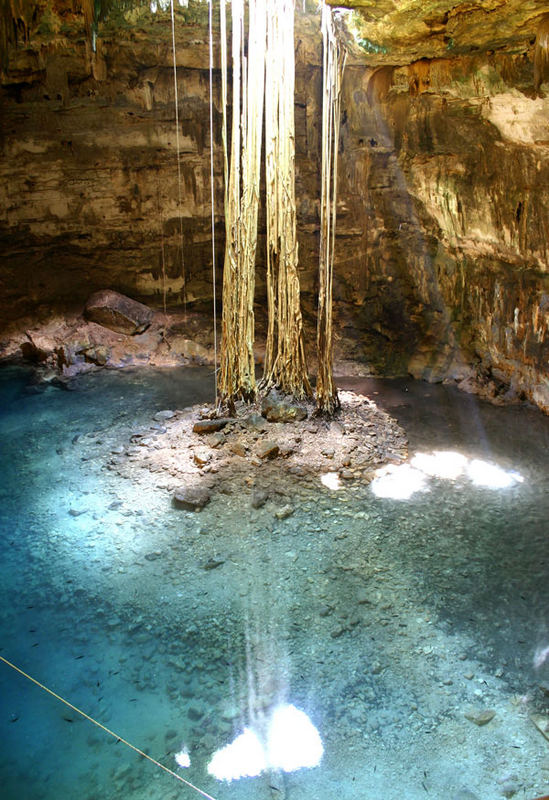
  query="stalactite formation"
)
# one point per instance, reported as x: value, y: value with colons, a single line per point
x: 285, y: 364
x: 237, y: 378
x: 327, y: 400
x: 15, y: 21
x: 541, y: 54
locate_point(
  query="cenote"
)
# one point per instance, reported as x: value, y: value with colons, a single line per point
x: 225, y: 572
x: 353, y: 647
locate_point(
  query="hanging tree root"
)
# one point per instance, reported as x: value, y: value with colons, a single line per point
x: 285, y: 364
x: 237, y: 366
x: 327, y: 400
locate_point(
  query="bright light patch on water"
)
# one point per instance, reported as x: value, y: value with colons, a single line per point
x: 540, y: 656
x: 401, y: 482
x: 183, y: 758
x: 490, y: 475
x: 243, y: 758
x: 331, y: 481
x: 398, y: 482
x: 440, y: 464
x: 292, y: 743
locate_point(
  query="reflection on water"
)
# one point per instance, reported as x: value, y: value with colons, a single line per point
x: 401, y: 481
x: 335, y: 652
x: 289, y: 741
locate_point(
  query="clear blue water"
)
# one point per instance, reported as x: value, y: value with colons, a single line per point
x: 385, y: 621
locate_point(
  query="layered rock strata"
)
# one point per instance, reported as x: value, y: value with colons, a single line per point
x: 441, y: 255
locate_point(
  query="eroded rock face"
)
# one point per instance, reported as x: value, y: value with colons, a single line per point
x: 441, y: 241
x: 457, y: 221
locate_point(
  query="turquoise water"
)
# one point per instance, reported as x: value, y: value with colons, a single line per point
x: 385, y: 621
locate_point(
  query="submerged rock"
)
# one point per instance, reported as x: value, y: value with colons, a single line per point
x: 480, y: 717
x: 259, y: 498
x: 213, y: 563
x: 161, y: 416
x: 118, y: 312
x: 284, y: 512
x: 542, y: 724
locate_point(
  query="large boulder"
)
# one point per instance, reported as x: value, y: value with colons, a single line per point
x: 118, y: 312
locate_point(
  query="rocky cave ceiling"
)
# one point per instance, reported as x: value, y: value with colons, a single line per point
x: 395, y: 32
x: 402, y: 31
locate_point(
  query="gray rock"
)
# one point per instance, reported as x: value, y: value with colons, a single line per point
x: 192, y: 498
x: 259, y: 498
x: 118, y: 312
x: 160, y: 416
x: 213, y: 563
x: 76, y: 512
x: 195, y: 713
x: 255, y: 422
x: 276, y: 408
x: 465, y: 794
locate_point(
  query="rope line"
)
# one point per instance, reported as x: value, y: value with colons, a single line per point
x: 108, y: 730
x: 212, y: 194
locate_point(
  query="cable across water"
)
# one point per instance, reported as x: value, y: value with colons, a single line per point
x: 108, y: 730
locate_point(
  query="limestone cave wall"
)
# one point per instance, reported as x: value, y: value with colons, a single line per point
x: 453, y: 159
x: 443, y: 213
x: 89, y: 186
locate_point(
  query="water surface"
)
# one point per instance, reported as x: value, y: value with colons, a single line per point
x: 385, y: 621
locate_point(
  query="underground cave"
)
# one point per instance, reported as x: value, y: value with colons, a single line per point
x: 273, y: 399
